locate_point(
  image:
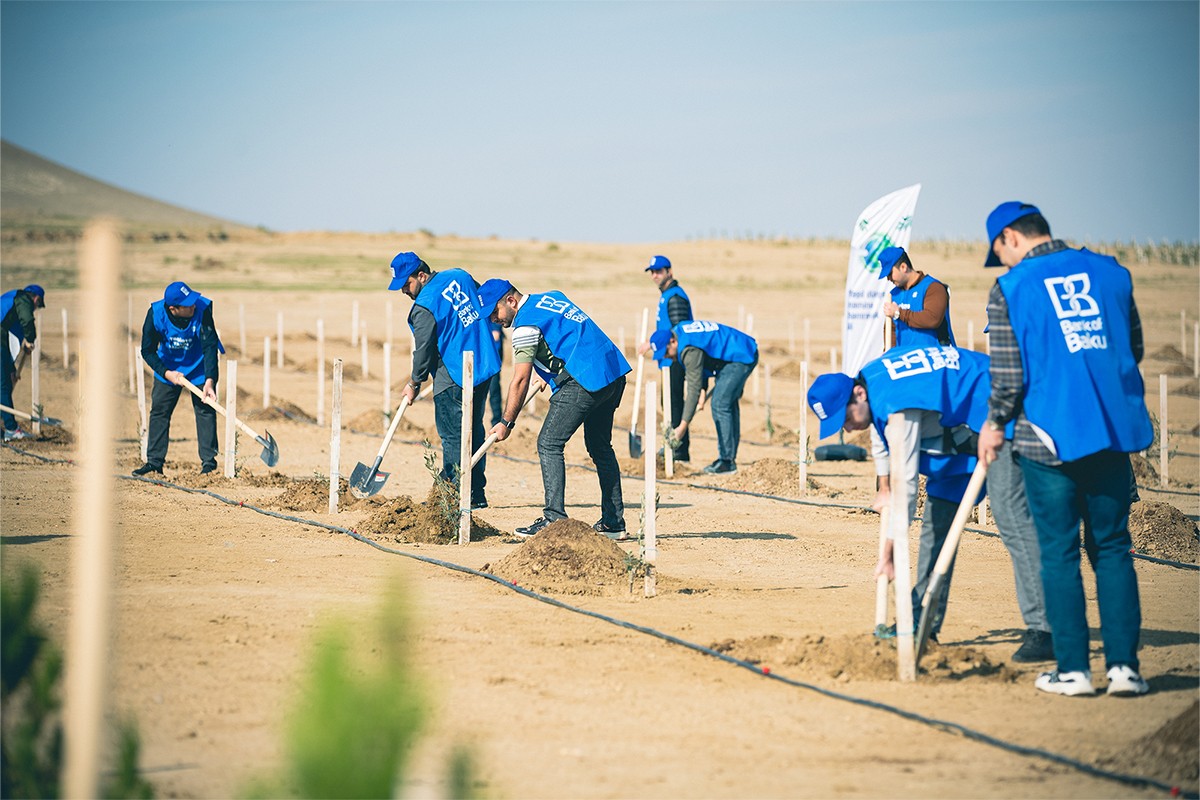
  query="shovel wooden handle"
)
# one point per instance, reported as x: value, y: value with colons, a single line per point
x: 491, y: 439
x: 23, y: 415
x: 220, y: 409
x: 950, y: 546
x: 391, y: 431
x: 637, y: 388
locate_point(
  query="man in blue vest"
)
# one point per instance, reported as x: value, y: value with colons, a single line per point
x: 16, y: 318
x: 919, y: 306
x: 1066, y: 340
x: 179, y: 342
x: 586, y: 373
x: 674, y: 307
x: 446, y: 321
x: 709, y: 348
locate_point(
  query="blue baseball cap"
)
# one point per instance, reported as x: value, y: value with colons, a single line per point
x: 659, y: 341
x: 404, y: 265
x: 659, y: 262
x: 828, y: 397
x: 888, y: 257
x: 1004, y: 215
x: 180, y: 294
x: 34, y: 289
x: 491, y: 292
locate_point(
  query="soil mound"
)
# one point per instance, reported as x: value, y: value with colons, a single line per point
x: 435, y: 521
x: 1169, y: 353
x: 312, y: 496
x: 192, y: 479
x: 774, y: 476
x: 568, y: 557
x: 1189, y: 389
x: 1143, y: 471
x: 282, y: 409
x: 1169, y: 753
x: 779, y: 434
x: 789, y: 369
x: 375, y: 421
x: 862, y: 657
x: 52, y: 434
x: 1163, y: 531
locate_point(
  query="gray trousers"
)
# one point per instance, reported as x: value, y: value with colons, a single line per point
x: 935, y: 526
x: 1006, y: 494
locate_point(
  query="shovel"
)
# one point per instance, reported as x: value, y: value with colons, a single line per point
x: 881, y: 583
x: 635, y: 441
x: 491, y: 439
x: 946, y: 557
x: 367, y: 481
x: 19, y: 364
x: 44, y: 420
x: 270, y: 453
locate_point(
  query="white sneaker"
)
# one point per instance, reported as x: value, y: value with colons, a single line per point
x: 1124, y: 681
x: 1071, y: 684
x: 16, y: 435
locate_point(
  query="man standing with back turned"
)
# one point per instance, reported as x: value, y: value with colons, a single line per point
x: 1065, y: 343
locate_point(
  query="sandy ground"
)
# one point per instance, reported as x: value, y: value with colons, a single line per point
x: 216, y: 605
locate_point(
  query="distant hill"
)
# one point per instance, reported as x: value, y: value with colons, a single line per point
x: 34, y: 191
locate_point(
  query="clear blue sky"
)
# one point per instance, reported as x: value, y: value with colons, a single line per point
x: 620, y: 121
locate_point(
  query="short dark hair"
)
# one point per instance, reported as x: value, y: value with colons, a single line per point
x: 904, y: 259
x: 1030, y: 225
x: 422, y: 268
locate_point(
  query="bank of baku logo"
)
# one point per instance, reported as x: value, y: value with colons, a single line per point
x: 1074, y: 305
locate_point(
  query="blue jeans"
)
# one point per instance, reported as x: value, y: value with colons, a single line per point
x: 1096, y: 486
x: 1006, y: 488
x: 570, y: 407
x: 726, y: 413
x: 447, y: 415
x: 6, y: 384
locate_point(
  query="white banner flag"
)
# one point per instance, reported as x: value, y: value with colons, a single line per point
x: 885, y: 223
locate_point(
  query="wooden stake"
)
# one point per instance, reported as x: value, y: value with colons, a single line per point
x: 637, y: 386
x: 362, y: 340
x: 906, y: 667
x: 132, y: 370
x: 354, y: 324
x: 143, y: 420
x: 388, y: 331
x: 668, y: 451
x: 320, y: 372
x: 230, y: 418
x: 1183, y: 331
x: 266, y: 372
x: 1162, y: 430
x: 335, y: 436
x: 387, y: 377
x: 807, y: 341
x: 649, y: 503
x: 279, y: 339
x: 970, y: 334
x: 242, y: 330
x: 833, y: 359
x: 803, y: 428
x: 86, y: 653
x: 35, y: 385
x: 466, y: 448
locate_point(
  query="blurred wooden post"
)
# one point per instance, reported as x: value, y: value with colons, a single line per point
x: 266, y: 372
x: 1183, y: 331
x: 387, y: 377
x: 465, y: 448
x: 649, y: 498
x: 1162, y: 431
x: 803, y: 428
x: 129, y: 326
x: 833, y: 359
x: 807, y: 341
x: 66, y: 346
x: 35, y: 386
x: 143, y: 421
x: 335, y: 436
x: 388, y: 327
x: 279, y: 339
x: 362, y: 340
x: 354, y: 324
x: 132, y: 378
x: 242, y: 330
x: 970, y: 334
x: 230, y: 417
x: 320, y: 372
x: 86, y: 653
x: 767, y: 388
x: 906, y: 668
x: 668, y: 451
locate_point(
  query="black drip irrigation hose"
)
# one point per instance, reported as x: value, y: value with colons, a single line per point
x: 945, y: 726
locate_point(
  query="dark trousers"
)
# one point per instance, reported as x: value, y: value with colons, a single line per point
x: 726, y: 407
x: 447, y: 414
x: 935, y: 526
x: 6, y: 384
x: 683, y: 452
x: 163, y: 398
x: 570, y: 407
x: 1095, y: 487
x: 495, y: 398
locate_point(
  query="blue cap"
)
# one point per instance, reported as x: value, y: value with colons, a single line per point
x: 1004, y: 215
x: 659, y: 341
x: 33, y: 288
x: 404, y: 265
x: 659, y: 262
x: 827, y: 397
x: 888, y: 257
x: 491, y: 292
x: 180, y: 294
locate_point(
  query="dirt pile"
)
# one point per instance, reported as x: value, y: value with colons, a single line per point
x: 375, y: 421
x: 860, y: 657
x: 51, y: 434
x: 1168, y: 353
x: 1189, y: 389
x: 1169, y: 753
x: 435, y: 521
x: 568, y: 557
x: 1143, y: 471
x: 280, y: 409
x: 312, y: 496
x: 774, y: 476
x: 190, y: 477
x: 1163, y: 531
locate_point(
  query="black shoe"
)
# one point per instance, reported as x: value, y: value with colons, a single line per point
x: 721, y: 468
x: 531, y: 530
x: 207, y: 468
x: 478, y: 504
x: 600, y: 527
x: 147, y: 469
x: 1035, y: 646
x: 684, y: 457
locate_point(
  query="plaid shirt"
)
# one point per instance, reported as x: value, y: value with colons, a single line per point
x: 1008, y: 373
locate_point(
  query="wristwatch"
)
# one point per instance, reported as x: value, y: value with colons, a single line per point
x: 992, y: 425
x: 507, y: 424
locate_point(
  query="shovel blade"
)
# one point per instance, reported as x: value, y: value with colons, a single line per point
x: 366, y: 482
x: 635, y: 445
x: 270, y: 453
x: 51, y: 421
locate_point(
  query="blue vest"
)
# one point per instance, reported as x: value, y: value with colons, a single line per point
x: 180, y: 348
x: 663, y: 321
x: 914, y: 300
x: 587, y: 353
x: 954, y: 383
x: 6, y: 304
x: 717, y: 341
x: 451, y: 296
x: 1070, y: 313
